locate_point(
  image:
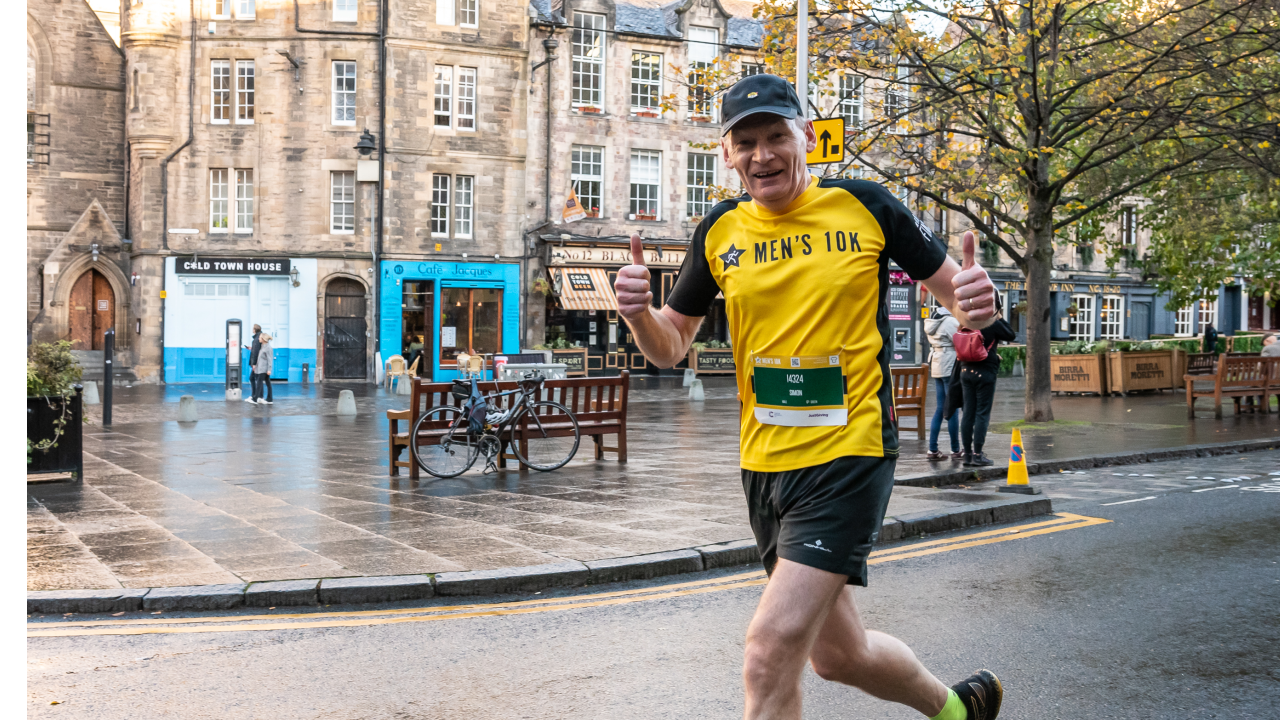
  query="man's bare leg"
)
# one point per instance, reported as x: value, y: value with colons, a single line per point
x: 878, y: 664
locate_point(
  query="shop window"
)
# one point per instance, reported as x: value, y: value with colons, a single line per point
x: 1208, y: 314
x: 470, y: 322
x: 1111, y: 317
x: 466, y: 98
x: 342, y: 203
x: 704, y: 46
x: 444, y: 96
x: 587, y: 174
x: 220, y: 88
x: 417, y: 322
x: 1082, y: 323
x: 587, y: 80
x: 850, y: 107
x: 344, y: 93
x: 646, y: 82
x: 702, y: 175
x: 1184, y: 319
x: 344, y: 10
x: 646, y: 169
x: 244, y: 92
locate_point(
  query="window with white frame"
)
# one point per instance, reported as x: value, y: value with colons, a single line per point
x: 444, y: 96
x: 1082, y: 324
x: 646, y: 184
x: 344, y: 92
x: 896, y: 91
x: 219, y: 221
x: 342, y: 202
x: 586, y: 172
x: 466, y: 98
x: 444, y: 12
x: 220, y: 89
x: 1208, y: 314
x: 1184, y: 319
x: 468, y: 13
x: 850, y: 107
x: 222, y: 9
x: 749, y: 69
x: 587, y: 81
x: 344, y: 10
x: 463, y: 203
x: 1128, y: 226
x: 244, y: 92
x: 440, y: 205
x: 704, y: 46
x: 702, y: 175
x: 646, y: 82
x: 244, y: 201
x: 1111, y: 317
x: 244, y: 9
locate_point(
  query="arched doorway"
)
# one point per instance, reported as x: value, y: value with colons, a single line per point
x: 92, y: 310
x: 345, y: 330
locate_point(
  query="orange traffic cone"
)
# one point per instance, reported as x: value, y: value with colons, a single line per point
x: 1018, y: 482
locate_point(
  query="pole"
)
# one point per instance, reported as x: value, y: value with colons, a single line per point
x: 802, y: 54
x: 108, y: 357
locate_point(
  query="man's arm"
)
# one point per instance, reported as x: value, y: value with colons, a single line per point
x: 664, y: 336
x: 967, y: 292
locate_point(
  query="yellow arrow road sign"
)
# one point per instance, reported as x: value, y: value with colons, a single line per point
x: 830, y: 147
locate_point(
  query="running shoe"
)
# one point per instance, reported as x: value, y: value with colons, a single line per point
x: 265, y: 402
x: 935, y: 455
x: 957, y: 455
x: 981, y: 694
x: 251, y: 401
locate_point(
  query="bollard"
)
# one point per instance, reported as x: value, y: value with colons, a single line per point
x: 695, y: 391
x: 306, y: 367
x: 1017, y: 368
x: 346, y: 403
x: 91, y: 393
x: 404, y: 385
x: 689, y: 376
x: 187, y: 408
x: 1018, y: 481
x: 108, y: 370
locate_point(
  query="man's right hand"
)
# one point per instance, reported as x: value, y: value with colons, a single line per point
x: 632, y: 284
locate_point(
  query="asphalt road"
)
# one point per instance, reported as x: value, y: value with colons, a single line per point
x: 1166, y: 607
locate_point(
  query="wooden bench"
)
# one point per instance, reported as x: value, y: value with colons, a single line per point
x: 598, y: 403
x: 1236, y: 377
x: 910, y: 393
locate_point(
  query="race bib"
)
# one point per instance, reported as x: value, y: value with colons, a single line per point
x: 799, y: 391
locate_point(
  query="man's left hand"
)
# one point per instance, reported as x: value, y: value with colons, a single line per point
x: 974, y: 292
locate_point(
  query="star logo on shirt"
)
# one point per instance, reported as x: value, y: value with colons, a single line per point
x: 731, y: 256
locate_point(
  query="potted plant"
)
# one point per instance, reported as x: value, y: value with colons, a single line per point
x: 645, y: 113
x: 1077, y: 366
x: 593, y: 212
x: 1072, y: 310
x: 1145, y: 365
x: 573, y: 355
x: 541, y: 286
x: 647, y: 216
x: 54, y: 410
x: 591, y: 109
x: 700, y: 118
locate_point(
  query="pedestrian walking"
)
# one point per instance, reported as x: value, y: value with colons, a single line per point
x: 263, y: 369
x: 1210, y: 344
x: 939, y: 328
x: 977, y: 390
x: 803, y: 267
x: 253, y: 360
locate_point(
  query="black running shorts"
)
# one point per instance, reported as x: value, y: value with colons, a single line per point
x: 826, y: 516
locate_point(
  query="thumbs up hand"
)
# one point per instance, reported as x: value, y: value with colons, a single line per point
x: 974, y: 292
x: 632, y: 284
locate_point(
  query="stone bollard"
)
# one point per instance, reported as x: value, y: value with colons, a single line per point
x: 346, y: 403
x: 91, y: 393
x: 1017, y: 368
x: 695, y: 391
x: 404, y: 385
x: 689, y: 376
x: 187, y: 408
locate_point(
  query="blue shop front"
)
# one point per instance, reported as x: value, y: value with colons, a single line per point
x: 433, y: 311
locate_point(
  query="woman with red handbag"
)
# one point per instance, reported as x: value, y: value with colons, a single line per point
x: 979, y: 363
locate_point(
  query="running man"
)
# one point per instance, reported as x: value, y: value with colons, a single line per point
x: 804, y: 267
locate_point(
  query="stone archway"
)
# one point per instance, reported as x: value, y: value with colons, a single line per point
x: 345, y: 329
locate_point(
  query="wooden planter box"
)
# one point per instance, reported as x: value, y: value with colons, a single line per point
x: 1078, y: 373
x: 643, y: 216
x: 1151, y: 370
x: 712, y: 361
x: 574, y: 359
x: 68, y: 454
x: 591, y: 110
x: 646, y: 113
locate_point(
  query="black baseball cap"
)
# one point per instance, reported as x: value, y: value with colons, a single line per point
x: 759, y: 94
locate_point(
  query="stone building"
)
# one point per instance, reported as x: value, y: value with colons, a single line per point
x: 77, y: 256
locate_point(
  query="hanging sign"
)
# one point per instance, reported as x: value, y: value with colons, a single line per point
x: 572, y: 208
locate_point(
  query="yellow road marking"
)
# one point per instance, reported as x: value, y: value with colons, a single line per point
x: 148, y: 626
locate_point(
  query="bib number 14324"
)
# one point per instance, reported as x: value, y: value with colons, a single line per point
x: 799, y: 391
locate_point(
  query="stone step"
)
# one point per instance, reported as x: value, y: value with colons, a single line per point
x: 93, y: 365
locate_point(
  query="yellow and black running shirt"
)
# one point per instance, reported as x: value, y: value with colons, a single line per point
x: 805, y: 296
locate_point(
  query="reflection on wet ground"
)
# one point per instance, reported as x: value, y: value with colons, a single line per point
x: 253, y: 493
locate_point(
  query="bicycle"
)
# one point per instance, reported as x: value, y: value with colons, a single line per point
x: 543, y: 434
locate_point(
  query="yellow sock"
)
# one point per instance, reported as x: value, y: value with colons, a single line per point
x: 953, y: 710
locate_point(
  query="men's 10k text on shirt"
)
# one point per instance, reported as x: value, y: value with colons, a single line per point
x: 805, y: 297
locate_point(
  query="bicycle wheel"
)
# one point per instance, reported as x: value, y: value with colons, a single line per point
x: 454, y: 450
x: 545, y: 435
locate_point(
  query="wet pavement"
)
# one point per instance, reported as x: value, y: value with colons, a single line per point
x: 252, y: 493
x: 1169, y: 608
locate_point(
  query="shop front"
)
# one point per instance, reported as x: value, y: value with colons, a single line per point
x: 1112, y: 309
x: 203, y: 292
x: 431, y: 312
x: 582, y: 310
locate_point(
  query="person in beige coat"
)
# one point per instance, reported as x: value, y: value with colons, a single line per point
x: 262, y: 371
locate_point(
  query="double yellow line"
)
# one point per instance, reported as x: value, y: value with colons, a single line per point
x: 363, y: 618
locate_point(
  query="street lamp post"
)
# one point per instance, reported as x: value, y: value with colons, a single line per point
x: 366, y: 146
